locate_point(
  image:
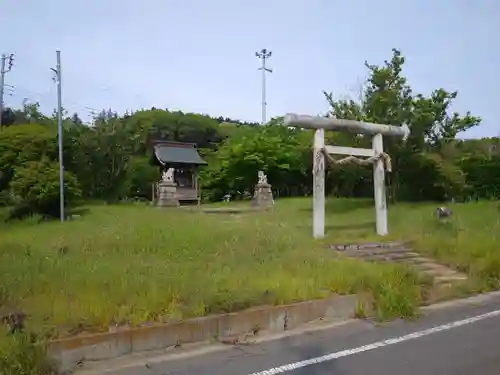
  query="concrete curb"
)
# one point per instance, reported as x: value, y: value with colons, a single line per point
x: 71, y: 352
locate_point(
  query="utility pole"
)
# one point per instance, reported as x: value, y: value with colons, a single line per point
x: 57, y: 71
x: 264, y: 54
x: 4, y: 70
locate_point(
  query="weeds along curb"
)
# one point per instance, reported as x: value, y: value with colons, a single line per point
x: 70, y: 352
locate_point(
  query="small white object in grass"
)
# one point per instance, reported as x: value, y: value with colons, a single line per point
x: 443, y: 212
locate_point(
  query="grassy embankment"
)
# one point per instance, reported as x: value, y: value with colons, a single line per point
x: 133, y: 264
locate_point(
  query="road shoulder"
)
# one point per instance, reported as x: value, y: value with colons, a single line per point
x: 340, y: 335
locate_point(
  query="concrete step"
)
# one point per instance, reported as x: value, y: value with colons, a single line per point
x: 398, y: 252
x: 443, y: 273
x: 424, y: 264
x: 363, y: 253
x: 440, y: 280
x: 367, y: 245
x: 389, y: 258
x: 438, y: 272
x: 429, y: 266
x: 397, y: 257
x: 415, y: 261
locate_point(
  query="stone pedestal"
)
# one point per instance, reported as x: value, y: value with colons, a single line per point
x: 167, y: 194
x: 263, y: 196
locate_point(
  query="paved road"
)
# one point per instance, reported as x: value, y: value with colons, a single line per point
x: 458, y: 340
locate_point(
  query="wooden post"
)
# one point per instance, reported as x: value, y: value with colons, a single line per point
x: 379, y: 186
x: 197, y: 185
x: 319, y: 185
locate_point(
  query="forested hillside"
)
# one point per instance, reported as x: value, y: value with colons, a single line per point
x: 109, y: 159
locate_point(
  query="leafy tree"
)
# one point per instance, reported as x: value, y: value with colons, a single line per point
x: 173, y: 126
x: 99, y: 159
x: 35, y: 189
x: 432, y: 177
x: 8, y: 117
x: 22, y: 144
x: 32, y: 115
x: 432, y: 121
x: 276, y: 150
x: 387, y: 98
x: 482, y: 175
x: 75, y: 120
x: 142, y: 175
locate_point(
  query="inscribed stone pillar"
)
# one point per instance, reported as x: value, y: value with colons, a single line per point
x: 167, y: 194
x: 167, y: 190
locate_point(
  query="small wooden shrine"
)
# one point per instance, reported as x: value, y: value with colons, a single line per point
x: 184, y: 159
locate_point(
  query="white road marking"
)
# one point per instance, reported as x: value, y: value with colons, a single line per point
x: 375, y: 345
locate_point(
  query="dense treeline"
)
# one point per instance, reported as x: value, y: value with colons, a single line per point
x: 109, y: 160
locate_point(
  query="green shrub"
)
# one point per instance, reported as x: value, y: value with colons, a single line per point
x: 21, y: 144
x: 35, y: 188
x: 142, y: 175
x: 5, y: 198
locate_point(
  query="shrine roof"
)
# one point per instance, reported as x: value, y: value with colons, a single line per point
x: 177, y: 153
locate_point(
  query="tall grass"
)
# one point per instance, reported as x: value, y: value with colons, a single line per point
x: 133, y: 264
x: 469, y: 242
x: 23, y: 354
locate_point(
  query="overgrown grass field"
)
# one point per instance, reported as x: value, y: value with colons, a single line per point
x: 135, y: 264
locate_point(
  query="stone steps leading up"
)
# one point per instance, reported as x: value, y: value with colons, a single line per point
x: 401, y: 253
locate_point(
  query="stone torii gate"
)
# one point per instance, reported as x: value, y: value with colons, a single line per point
x: 375, y: 156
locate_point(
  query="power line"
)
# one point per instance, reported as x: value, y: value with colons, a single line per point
x: 15, y: 89
x: 82, y: 108
x: 30, y: 96
x: 264, y: 54
x: 8, y: 90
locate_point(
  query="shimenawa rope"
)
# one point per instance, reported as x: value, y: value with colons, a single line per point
x: 353, y: 159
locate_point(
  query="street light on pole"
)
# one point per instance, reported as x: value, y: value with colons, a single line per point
x: 264, y: 54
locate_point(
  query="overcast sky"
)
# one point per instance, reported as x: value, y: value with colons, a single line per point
x: 199, y: 55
